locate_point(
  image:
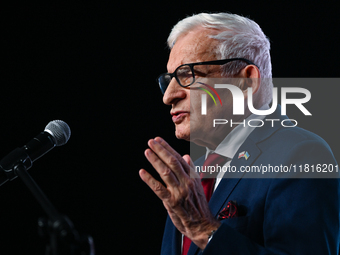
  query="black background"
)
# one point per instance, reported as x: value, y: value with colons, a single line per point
x: 94, y: 66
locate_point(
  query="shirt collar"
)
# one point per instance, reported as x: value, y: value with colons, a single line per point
x: 233, y: 141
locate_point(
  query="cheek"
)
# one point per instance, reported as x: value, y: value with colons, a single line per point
x: 196, y: 103
x: 198, y: 120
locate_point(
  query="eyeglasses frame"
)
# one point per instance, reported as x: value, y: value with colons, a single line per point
x: 191, y: 65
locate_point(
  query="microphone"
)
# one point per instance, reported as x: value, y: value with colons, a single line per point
x: 56, y: 133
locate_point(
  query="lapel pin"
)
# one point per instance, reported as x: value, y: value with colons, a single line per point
x: 244, y: 154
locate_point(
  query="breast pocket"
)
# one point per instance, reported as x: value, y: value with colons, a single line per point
x: 237, y: 223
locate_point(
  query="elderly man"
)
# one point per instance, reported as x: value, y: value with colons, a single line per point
x: 236, y: 214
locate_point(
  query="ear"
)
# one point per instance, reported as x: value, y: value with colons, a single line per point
x: 252, y: 78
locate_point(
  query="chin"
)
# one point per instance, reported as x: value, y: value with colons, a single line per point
x: 182, y: 133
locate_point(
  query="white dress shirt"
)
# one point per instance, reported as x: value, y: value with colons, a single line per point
x: 233, y: 141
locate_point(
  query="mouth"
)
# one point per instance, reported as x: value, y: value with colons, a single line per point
x: 178, y: 117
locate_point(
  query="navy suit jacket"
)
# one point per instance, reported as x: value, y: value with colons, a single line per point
x: 280, y: 215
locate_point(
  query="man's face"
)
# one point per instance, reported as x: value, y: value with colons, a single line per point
x: 196, y: 46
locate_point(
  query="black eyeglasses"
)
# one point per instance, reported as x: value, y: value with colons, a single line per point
x: 185, y: 75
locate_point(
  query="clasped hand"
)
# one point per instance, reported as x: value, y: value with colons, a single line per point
x: 182, y: 196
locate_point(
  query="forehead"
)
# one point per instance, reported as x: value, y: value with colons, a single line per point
x: 194, y: 46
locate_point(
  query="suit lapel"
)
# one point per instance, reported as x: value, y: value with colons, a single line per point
x: 230, y: 180
x: 229, y: 183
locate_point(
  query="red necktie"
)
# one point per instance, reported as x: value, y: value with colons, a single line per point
x: 208, y: 184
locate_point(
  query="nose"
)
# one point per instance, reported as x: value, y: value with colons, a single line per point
x: 174, y: 93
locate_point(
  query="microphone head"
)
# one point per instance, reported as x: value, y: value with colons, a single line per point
x: 60, y: 131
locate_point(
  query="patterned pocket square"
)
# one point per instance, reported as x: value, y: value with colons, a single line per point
x: 229, y: 211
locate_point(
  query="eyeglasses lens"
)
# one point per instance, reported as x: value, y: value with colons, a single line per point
x: 164, y: 81
x: 185, y: 75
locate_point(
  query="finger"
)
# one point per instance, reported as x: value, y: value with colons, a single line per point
x: 192, y: 170
x: 163, y: 170
x: 155, y: 185
x: 168, y: 148
x: 188, y: 160
x: 187, y: 164
x: 170, y: 158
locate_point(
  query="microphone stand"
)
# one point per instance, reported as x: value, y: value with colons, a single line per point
x: 58, y: 229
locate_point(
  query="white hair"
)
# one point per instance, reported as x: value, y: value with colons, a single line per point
x: 239, y: 37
